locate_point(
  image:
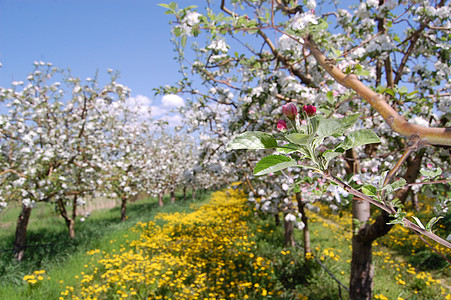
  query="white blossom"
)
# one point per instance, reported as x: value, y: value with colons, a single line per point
x: 302, y: 20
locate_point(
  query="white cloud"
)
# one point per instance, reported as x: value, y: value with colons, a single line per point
x: 142, y: 104
x: 158, y: 111
x: 174, y: 120
x: 172, y: 100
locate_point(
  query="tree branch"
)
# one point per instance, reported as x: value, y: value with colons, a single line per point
x: 427, y: 135
x: 388, y: 208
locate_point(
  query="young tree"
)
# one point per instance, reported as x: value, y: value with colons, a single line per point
x: 258, y: 55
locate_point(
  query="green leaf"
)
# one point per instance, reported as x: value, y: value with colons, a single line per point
x: 360, y: 71
x: 402, y: 90
x: 190, y: 7
x: 391, y: 92
x: 432, y: 222
x: 330, y: 97
x: 288, y: 148
x: 382, y: 179
x: 330, y: 127
x: 388, y: 188
x: 359, y: 138
x: 369, y: 190
x: 314, y: 122
x: 418, y: 222
x: 172, y: 7
x: 300, y: 139
x: 297, y: 188
x: 253, y: 140
x: 329, y: 155
x: 431, y: 173
x: 177, y: 31
x: 272, y: 164
x: 398, y: 184
x: 183, y: 41
x: 164, y: 5
x: 412, y: 93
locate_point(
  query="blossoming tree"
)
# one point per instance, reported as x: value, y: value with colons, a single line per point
x: 379, y: 58
x: 53, y: 136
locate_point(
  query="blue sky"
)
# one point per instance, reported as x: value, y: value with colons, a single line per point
x: 131, y: 36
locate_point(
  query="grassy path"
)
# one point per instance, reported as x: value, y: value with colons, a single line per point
x: 215, y: 249
x: 62, y: 259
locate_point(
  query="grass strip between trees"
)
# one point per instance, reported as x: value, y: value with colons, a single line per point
x: 220, y: 250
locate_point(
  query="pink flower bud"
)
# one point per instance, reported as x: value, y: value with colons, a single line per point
x: 282, y: 125
x: 290, y: 110
x: 310, y: 110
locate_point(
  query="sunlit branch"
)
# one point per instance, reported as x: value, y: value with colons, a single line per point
x: 427, y: 135
x: 12, y: 171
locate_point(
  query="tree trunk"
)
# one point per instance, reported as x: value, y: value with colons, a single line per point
x: 21, y: 233
x: 305, y: 231
x: 184, y: 193
x: 123, y: 208
x: 160, y: 199
x: 70, y: 223
x: 288, y: 233
x: 194, y: 193
x: 362, y: 270
x: 277, y: 219
x: 172, y: 195
x: 415, y: 201
x: 71, y: 228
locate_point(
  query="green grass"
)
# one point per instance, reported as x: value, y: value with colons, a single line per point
x: 62, y: 257
x: 309, y: 279
x: 298, y: 278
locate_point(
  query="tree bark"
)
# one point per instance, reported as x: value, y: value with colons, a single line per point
x: 172, y: 195
x: 184, y: 193
x: 70, y: 222
x: 277, y: 219
x: 71, y: 228
x: 288, y: 233
x: 21, y: 233
x: 194, y: 193
x: 305, y: 231
x: 415, y: 201
x: 123, y: 208
x: 160, y: 199
x: 362, y: 270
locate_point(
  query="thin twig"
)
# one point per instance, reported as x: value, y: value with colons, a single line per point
x: 432, y: 248
x: 429, y: 182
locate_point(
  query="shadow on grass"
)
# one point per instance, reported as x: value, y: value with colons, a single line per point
x: 51, y: 246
